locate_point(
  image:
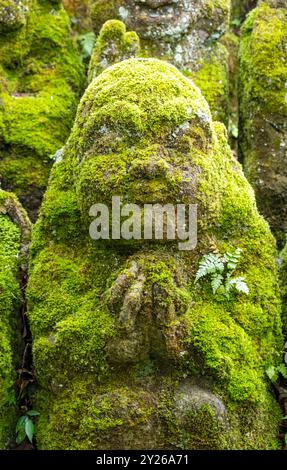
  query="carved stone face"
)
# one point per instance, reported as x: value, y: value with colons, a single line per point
x: 178, y: 31
x: 159, y: 18
x: 168, y: 20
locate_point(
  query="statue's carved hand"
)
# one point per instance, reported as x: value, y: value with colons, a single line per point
x: 147, y: 311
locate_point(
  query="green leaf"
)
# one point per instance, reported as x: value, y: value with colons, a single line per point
x: 272, y: 373
x: 232, y: 259
x: 228, y: 284
x: 29, y: 429
x: 286, y: 439
x: 21, y: 423
x: 283, y: 370
x: 21, y: 436
x: 233, y: 130
x: 33, y: 413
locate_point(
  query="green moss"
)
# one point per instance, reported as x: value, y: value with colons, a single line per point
x: 103, y: 311
x: 195, y: 435
x: 102, y: 11
x: 111, y: 410
x: 11, y: 241
x: 113, y: 45
x: 27, y: 175
x: 283, y: 282
x: 228, y: 351
x: 215, y: 71
x: 42, y: 77
x: 263, y: 110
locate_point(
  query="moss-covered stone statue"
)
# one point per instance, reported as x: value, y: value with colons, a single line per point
x: 14, y: 239
x: 40, y: 79
x: 129, y: 352
x: 185, y: 33
x: 263, y: 108
x: 114, y: 44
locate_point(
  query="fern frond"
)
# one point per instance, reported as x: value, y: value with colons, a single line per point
x: 272, y: 373
x: 239, y: 284
x: 208, y: 265
x: 232, y: 259
x: 216, y: 282
x: 283, y: 370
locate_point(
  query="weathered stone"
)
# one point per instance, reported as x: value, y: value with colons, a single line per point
x: 185, y: 33
x: 190, y: 397
x: 122, y: 336
x: 263, y: 109
x: 40, y: 80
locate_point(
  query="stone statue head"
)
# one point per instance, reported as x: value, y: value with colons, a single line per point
x: 167, y: 20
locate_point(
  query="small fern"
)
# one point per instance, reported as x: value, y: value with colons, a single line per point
x: 87, y: 42
x: 216, y: 282
x: 210, y: 264
x: 219, y: 269
x: 274, y: 372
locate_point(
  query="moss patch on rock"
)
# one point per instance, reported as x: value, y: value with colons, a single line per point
x: 263, y: 111
x: 283, y: 282
x: 14, y: 236
x: 40, y: 80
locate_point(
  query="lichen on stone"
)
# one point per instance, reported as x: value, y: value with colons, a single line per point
x: 185, y: 33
